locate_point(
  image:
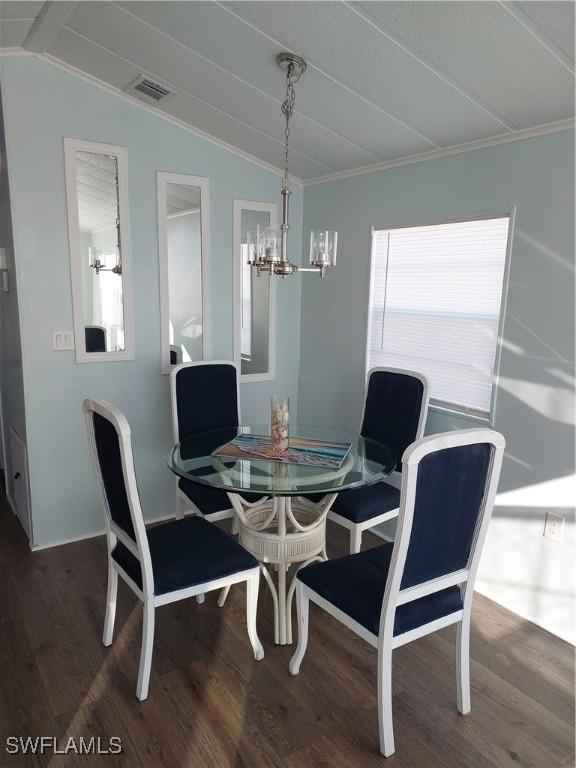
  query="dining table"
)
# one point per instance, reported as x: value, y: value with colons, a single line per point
x: 281, y: 507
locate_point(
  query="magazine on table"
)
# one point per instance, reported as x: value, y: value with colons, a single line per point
x: 303, y: 451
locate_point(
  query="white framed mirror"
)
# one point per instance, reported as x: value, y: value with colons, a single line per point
x: 99, y: 239
x: 184, y: 252
x: 254, y: 296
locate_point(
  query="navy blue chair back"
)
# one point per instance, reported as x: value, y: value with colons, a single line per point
x: 175, y: 355
x: 95, y: 337
x: 110, y: 464
x: 206, y: 398
x: 110, y: 441
x: 393, y: 409
x: 450, y: 489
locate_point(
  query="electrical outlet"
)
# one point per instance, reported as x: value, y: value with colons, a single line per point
x: 554, y: 526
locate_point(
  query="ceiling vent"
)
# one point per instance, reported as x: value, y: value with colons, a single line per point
x: 148, y: 90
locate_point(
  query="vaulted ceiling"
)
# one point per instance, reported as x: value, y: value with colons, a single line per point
x: 385, y: 80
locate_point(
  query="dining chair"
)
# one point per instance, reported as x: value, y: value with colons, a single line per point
x: 424, y: 580
x: 175, y: 354
x: 95, y: 338
x: 205, y: 396
x: 395, y: 409
x: 167, y: 562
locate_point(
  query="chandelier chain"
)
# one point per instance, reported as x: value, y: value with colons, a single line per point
x: 292, y: 76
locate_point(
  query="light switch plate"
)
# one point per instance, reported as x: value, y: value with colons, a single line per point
x: 63, y: 341
x: 554, y: 526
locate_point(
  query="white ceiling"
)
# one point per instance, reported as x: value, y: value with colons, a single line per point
x: 386, y: 80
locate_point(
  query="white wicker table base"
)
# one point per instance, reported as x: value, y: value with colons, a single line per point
x: 280, y: 531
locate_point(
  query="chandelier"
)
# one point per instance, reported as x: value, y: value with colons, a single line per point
x: 99, y: 265
x: 268, y: 247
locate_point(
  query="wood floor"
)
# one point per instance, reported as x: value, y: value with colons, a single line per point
x: 211, y: 706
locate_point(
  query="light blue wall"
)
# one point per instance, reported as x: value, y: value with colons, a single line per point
x: 43, y: 105
x: 535, y: 405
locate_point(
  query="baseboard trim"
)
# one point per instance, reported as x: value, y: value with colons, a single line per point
x: 83, y: 537
x: 10, y: 500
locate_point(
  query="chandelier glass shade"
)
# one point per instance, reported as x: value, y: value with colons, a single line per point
x: 268, y: 248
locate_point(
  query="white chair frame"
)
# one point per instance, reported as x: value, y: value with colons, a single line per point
x: 183, y: 503
x: 395, y: 479
x: 394, y: 596
x: 141, y: 551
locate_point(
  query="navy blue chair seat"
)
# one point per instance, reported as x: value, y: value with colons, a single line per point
x: 356, y: 583
x: 209, y: 500
x: 185, y: 553
x: 361, y: 504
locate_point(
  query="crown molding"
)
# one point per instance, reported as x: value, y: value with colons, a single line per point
x: 53, y: 61
x: 16, y: 51
x: 435, y: 154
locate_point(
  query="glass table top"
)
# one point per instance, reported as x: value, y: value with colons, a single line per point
x: 367, y: 462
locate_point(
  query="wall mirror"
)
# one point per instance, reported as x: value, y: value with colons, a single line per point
x: 183, y: 247
x: 99, y: 237
x: 254, y: 296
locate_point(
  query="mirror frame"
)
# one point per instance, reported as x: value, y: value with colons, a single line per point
x: 272, y: 209
x: 71, y: 146
x: 163, y: 178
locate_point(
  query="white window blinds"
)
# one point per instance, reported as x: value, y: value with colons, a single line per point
x: 435, y: 297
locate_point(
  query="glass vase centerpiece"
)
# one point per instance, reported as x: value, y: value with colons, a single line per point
x: 280, y: 422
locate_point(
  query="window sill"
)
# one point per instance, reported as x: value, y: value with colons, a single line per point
x: 461, y: 414
x: 250, y: 378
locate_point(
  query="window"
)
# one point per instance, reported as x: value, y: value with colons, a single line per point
x: 435, y: 296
